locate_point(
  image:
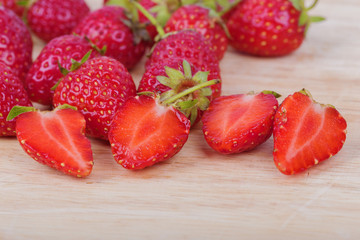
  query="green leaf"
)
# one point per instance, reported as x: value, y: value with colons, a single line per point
x: 206, y: 92
x: 66, y: 106
x: 317, y: 19
x: 63, y: 70
x: 201, y: 77
x: 296, y: 4
x: 187, y: 104
x: 193, y: 116
x: 203, y: 103
x: 17, y: 110
x: 304, y: 18
x: 166, y: 81
x: 23, y: 3
x: 174, y: 75
x: 276, y: 95
x: 187, y: 69
x: 76, y: 65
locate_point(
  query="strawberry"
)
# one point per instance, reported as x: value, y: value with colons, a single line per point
x: 237, y: 123
x: 150, y: 129
x: 15, y: 43
x: 306, y: 133
x: 56, y: 139
x: 12, y: 93
x: 203, y: 20
x: 49, y: 19
x: 110, y: 27
x: 144, y: 132
x: 98, y: 88
x: 268, y: 27
x: 14, y: 5
x: 177, y: 75
x: 45, y: 72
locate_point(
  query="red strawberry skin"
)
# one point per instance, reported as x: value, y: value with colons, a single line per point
x: 15, y: 43
x: 237, y: 123
x: 14, y: 6
x: 265, y: 27
x: 45, y: 72
x: 49, y: 19
x: 105, y: 27
x: 56, y: 139
x: 12, y: 93
x: 306, y: 133
x: 98, y: 89
x: 197, y: 17
x: 144, y: 132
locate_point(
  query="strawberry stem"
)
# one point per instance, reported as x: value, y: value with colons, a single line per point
x: 150, y: 17
x: 190, y: 90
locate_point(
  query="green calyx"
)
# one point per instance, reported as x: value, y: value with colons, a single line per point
x: 305, y: 19
x: 74, y: 66
x: 18, y: 110
x: 275, y: 94
x: 23, y: 3
x: 189, y: 93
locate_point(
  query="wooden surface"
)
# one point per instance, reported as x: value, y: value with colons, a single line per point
x: 200, y: 194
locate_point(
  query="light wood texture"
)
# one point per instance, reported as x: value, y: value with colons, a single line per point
x: 200, y: 194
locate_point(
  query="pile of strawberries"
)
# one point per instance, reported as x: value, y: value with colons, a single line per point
x: 83, y: 73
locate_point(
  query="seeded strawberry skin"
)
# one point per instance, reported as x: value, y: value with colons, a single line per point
x: 98, y: 89
x: 14, y: 6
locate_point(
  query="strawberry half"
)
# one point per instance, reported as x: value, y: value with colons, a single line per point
x: 238, y: 123
x: 145, y: 132
x: 56, y: 139
x: 306, y: 133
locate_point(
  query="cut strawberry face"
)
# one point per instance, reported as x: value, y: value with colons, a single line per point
x: 238, y: 123
x: 56, y: 139
x: 144, y: 132
x: 306, y: 133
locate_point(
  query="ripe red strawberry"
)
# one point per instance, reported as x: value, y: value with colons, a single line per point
x: 15, y: 43
x: 238, y: 123
x: 56, y: 139
x: 145, y: 132
x: 306, y: 133
x: 14, y: 5
x: 98, y: 89
x: 49, y: 19
x: 45, y: 72
x: 177, y: 75
x: 205, y: 22
x: 12, y: 93
x: 106, y: 27
x: 186, y: 45
x: 268, y: 27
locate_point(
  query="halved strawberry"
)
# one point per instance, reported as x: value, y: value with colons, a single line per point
x: 144, y: 132
x: 306, y: 133
x: 238, y: 123
x: 56, y: 138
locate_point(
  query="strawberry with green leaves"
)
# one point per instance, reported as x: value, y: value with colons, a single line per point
x: 97, y: 88
x: 177, y: 75
x: 45, y: 71
x: 238, y: 123
x: 306, y: 133
x: 203, y: 20
x: 56, y: 139
x: 269, y: 28
x: 12, y: 93
x: 151, y: 129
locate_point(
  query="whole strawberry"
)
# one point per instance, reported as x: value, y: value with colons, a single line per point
x: 14, y: 5
x: 45, y: 71
x: 176, y: 75
x: 306, y: 133
x: 15, y: 43
x: 97, y: 89
x: 110, y: 27
x: 268, y: 27
x: 12, y: 93
x: 203, y: 20
x: 49, y: 19
x: 56, y: 139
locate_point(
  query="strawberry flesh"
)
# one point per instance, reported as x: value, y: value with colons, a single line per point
x: 238, y: 123
x: 144, y: 132
x: 306, y: 133
x: 56, y: 139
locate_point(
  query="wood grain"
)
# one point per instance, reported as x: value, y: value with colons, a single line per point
x: 200, y: 194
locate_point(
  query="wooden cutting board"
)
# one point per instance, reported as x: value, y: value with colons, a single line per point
x: 200, y: 194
